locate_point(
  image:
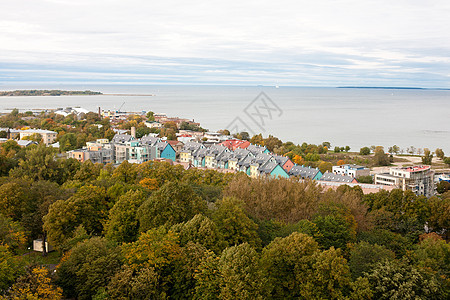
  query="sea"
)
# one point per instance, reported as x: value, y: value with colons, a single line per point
x: 354, y: 117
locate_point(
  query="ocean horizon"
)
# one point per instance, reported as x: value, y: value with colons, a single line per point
x: 353, y: 116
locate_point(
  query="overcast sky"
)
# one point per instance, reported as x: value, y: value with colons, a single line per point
x: 303, y: 43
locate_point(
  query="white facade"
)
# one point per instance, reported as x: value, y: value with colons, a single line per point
x: 354, y: 171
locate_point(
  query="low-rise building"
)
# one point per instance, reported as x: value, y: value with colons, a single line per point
x: 48, y: 136
x: 351, y: 170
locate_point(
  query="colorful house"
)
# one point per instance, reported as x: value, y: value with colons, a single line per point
x: 165, y: 150
x: 304, y: 172
x: 284, y: 162
x: 273, y: 169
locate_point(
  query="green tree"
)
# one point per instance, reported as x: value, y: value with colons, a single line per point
x: 380, y: 157
x: 240, y: 273
x: 388, y: 239
x: 336, y: 231
x: 398, y: 280
x: 150, y: 116
x: 68, y: 142
x: 39, y: 163
x: 285, y: 262
x: 363, y: 256
x: 433, y: 254
x: 365, y: 179
x: 427, y: 157
x: 122, y: 225
x: 130, y: 284
x: 173, y: 203
x: 10, y: 267
x: 364, y: 151
x: 201, y: 230
x: 87, y: 207
x: 325, y: 166
x: 235, y: 226
x: 88, y: 267
x: 439, y: 153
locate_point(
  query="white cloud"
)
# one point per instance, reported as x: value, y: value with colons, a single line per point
x: 381, y: 35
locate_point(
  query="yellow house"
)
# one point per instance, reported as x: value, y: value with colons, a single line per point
x: 185, y: 157
x: 254, y: 173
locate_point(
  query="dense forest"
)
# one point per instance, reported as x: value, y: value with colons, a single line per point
x: 157, y: 231
x: 46, y: 93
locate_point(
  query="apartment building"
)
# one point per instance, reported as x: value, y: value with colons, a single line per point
x: 418, y: 179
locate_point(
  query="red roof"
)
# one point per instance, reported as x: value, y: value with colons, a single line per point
x: 234, y: 144
x: 173, y: 143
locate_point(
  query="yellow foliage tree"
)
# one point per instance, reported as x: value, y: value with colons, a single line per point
x: 34, y: 286
x: 149, y: 183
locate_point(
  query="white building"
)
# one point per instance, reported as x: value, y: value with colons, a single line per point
x: 48, y: 136
x: 354, y: 171
x: 418, y: 179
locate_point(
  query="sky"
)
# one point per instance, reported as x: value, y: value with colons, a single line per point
x: 403, y: 43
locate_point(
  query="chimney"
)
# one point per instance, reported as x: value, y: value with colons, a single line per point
x: 8, y: 134
x: 99, y: 112
x: 133, y: 132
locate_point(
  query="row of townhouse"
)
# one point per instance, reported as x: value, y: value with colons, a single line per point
x: 124, y: 147
x: 253, y: 160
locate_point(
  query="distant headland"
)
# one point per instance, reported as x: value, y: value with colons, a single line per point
x: 47, y: 93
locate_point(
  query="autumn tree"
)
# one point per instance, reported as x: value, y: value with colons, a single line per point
x: 36, y: 284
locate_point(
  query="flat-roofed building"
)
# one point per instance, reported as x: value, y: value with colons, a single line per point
x: 418, y: 179
x: 351, y: 170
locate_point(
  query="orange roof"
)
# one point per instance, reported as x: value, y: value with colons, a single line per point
x: 234, y: 144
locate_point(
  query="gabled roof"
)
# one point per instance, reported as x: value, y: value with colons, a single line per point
x: 235, y: 144
x: 281, y: 160
x: 225, y: 156
x: 201, y: 152
x: 161, y: 145
x: 304, y: 172
x: 262, y: 158
x: 122, y: 138
x: 26, y: 143
x: 191, y: 146
x: 336, y: 178
x: 255, y: 149
x: 268, y: 167
x: 150, y: 140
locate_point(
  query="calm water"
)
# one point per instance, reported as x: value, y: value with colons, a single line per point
x: 354, y: 117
